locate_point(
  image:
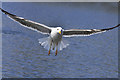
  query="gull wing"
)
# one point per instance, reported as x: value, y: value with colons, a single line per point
x: 29, y: 24
x: 85, y: 32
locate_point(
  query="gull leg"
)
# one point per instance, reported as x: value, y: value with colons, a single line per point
x: 49, y: 48
x: 56, y: 53
x: 56, y: 49
x: 49, y: 52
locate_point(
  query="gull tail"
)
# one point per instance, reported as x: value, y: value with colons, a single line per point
x: 63, y: 44
x: 45, y: 42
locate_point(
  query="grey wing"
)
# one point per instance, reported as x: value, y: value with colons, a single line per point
x: 85, y: 32
x: 29, y: 24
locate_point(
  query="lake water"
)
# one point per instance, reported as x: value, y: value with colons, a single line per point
x: 94, y: 56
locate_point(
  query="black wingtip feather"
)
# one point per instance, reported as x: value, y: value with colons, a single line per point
x: 110, y: 28
x: 7, y: 13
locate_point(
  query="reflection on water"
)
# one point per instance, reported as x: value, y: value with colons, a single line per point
x: 93, y: 56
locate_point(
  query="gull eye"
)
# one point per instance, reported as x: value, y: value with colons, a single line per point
x: 57, y: 29
x: 61, y: 31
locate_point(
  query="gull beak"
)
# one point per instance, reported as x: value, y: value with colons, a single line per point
x: 59, y: 32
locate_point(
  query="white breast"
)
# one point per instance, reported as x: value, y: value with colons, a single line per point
x: 56, y: 37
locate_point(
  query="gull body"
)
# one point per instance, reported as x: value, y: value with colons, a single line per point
x: 55, y: 34
x: 56, y: 37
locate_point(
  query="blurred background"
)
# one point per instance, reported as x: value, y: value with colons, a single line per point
x: 94, y: 56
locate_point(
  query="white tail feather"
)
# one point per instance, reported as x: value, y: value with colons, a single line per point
x: 63, y: 44
x: 45, y: 42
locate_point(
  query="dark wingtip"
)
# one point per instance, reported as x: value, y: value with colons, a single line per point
x: 117, y: 26
x: 1, y: 9
x: 111, y: 27
x: 7, y: 13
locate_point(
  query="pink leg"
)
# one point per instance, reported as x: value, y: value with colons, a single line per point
x: 56, y: 49
x: 49, y: 48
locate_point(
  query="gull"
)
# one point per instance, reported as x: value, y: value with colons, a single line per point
x: 55, y: 33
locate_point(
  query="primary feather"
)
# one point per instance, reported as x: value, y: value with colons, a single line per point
x: 28, y: 23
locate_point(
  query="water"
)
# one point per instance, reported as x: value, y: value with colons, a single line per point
x: 86, y: 57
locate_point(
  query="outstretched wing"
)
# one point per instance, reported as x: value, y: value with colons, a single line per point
x: 85, y: 32
x: 29, y: 24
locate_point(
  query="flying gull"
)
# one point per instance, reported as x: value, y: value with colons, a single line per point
x: 55, y: 33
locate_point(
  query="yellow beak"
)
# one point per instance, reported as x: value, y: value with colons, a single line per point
x: 59, y: 32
